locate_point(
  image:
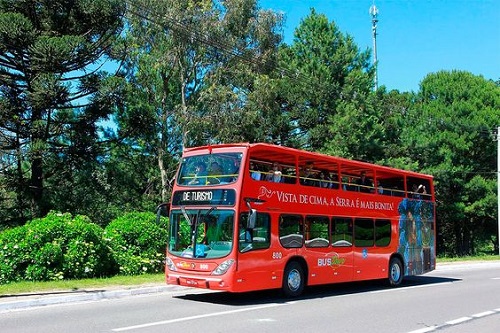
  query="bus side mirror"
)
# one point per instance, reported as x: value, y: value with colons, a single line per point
x: 252, y: 218
x: 165, y: 208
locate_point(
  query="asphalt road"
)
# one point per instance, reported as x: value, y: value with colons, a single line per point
x: 454, y: 298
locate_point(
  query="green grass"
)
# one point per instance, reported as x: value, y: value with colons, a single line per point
x: 471, y: 258
x: 27, y: 287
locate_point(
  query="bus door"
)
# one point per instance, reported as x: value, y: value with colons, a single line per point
x: 256, y: 262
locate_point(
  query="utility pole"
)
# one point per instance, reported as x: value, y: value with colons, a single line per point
x: 374, y: 14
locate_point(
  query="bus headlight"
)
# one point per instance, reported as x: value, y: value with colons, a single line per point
x: 222, y: 268
x: 170, y: 264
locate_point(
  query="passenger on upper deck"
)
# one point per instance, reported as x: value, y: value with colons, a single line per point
x: 275, y: 173
x: 307, y: 175
x: 254, y: 172
x: 324, y: 179
x: 365, y: 185
x: 418, y: 191
x: 200, y: 174
x: 215, y: 169
x: 215, y: 173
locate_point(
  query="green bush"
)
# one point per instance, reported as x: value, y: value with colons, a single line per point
x: 57, y: 246
x: 137, y: 243
x: 14, y: 254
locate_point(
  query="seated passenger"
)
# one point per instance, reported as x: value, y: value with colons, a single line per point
x: 200, y: 174
x: 235, y: 171
x: 335, y: 181
x: 307, y: 175
x: 324, y: 179
x: 365, y: 185
x: 254, y: 172
x: 214, y: 173
x: 275, y: 174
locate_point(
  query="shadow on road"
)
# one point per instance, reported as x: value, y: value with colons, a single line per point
x: 331, y: 290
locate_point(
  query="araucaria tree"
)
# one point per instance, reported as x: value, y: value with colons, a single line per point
x: 51, y: 52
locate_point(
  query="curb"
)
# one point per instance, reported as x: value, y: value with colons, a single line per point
x: 30, y: 301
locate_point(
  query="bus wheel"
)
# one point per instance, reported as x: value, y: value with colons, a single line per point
x: 293, y: 280
x: 395, y: 272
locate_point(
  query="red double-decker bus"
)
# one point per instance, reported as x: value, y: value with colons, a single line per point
x: 247, y: 217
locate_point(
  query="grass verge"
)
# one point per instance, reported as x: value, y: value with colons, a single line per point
x: 27, y: 287
x: 474, y: 258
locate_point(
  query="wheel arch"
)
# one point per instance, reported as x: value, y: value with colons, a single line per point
x: 400, y: 257
x: 302, y: 262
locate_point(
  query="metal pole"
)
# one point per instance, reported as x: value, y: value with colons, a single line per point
x: 497, y: 137
x: 374, y: 13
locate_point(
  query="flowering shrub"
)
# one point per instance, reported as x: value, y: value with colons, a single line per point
x: 137, y: 243
x: 57, y: 246
x: 14, y: 254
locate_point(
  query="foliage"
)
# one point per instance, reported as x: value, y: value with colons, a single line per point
x: 56, y: 247
x: 50, y: 95
x: 137, y: 243
x: 189, y: 67
x: 329, y: 80
x: 448, y: 135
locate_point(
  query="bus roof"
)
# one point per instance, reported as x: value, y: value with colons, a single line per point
x: 272, y: 151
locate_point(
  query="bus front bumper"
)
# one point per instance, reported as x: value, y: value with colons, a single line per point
x: 197, y: 282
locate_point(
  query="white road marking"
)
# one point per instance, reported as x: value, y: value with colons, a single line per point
x: 457, y: 321
x: 425, y: 330
x: 483, y: 314
x: 215, y: 314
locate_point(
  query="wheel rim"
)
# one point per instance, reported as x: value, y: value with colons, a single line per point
x: 395, y: 272
x: 294, y: 280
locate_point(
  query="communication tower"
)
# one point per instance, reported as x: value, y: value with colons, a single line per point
x: 374, y: 15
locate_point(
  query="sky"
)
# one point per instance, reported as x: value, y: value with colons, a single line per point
x: 414, y: 37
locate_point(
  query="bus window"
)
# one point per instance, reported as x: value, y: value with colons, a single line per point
x: 290, y: 231
x: 382, y: 232
x: 206, y: 234
x: 316, y: 231
x: 209, y: 169
x: 341, y: 231
x: 363, y: 232
x: 260, y: 236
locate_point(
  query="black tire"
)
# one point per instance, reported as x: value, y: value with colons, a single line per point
x: 396, y: 272
x: 293, y: 280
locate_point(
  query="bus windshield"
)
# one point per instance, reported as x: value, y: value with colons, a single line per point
x: 209, y: 169
x: 201, y: 233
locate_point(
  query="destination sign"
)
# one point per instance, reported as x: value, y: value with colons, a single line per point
x: 203, y: 197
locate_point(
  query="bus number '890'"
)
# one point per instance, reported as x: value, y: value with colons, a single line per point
x: 277, y: 255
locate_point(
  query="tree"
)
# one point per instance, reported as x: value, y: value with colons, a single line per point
x: 449, y: 136
x: 329, y: 81
x: 190, y: 67
x: 50, y: 55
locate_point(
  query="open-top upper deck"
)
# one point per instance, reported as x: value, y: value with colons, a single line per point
x: 272, y: 163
